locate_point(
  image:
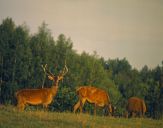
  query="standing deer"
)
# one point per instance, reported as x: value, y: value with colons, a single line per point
x: 42, y: 96
x: 92, y: 95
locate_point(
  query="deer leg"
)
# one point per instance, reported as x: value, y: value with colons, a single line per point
x: 95, y: 109
x: 45, y: 106
x: 126, y: 114
x: 132, y: 114
x: 143, y: 114
x: 76, y: 106
x: 129, y: 114
x: 20, y: 106
x: 110, y: 110
x: 105, y: 111
x: 82, y: 102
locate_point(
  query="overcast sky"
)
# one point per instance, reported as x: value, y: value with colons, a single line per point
x: 114, y: 28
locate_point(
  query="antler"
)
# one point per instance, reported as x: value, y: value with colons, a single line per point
x: 64, y: 71
x: 46, y: 70
x: 51, y: 76
x: 44, y: 67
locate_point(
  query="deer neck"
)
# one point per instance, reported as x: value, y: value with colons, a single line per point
x: 54, y: 88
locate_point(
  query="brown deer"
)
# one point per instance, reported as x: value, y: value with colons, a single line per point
x: 136, y: 107
x: 42, y: 96
x: 92, y: 95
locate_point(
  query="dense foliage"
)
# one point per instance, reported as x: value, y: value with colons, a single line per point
x: 22, y: 54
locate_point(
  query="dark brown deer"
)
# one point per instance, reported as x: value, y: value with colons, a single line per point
x: 136, y: 106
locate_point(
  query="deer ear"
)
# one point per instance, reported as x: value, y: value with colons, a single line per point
x: 60, y: 77
x: 50, y: 77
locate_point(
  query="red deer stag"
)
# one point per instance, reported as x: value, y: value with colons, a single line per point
x: 42, y: 96
x: 92, y: 95
x: 135, y: 106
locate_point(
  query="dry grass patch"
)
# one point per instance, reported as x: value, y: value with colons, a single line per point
x: 11, y: 118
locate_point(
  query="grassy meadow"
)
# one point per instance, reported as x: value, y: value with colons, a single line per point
x: 11, y: 118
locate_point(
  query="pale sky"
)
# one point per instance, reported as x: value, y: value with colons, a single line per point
x: 114, y: 28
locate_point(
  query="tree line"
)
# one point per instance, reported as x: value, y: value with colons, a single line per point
x: 22, y: 54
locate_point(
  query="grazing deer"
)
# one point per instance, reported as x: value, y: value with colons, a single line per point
x: 136, y: 107
x: 92, y: 95
x: 42, y: 96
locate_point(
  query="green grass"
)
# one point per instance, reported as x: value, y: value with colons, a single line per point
x: 11, y: 118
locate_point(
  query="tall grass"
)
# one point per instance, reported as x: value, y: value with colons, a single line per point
x: 11, y: 118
